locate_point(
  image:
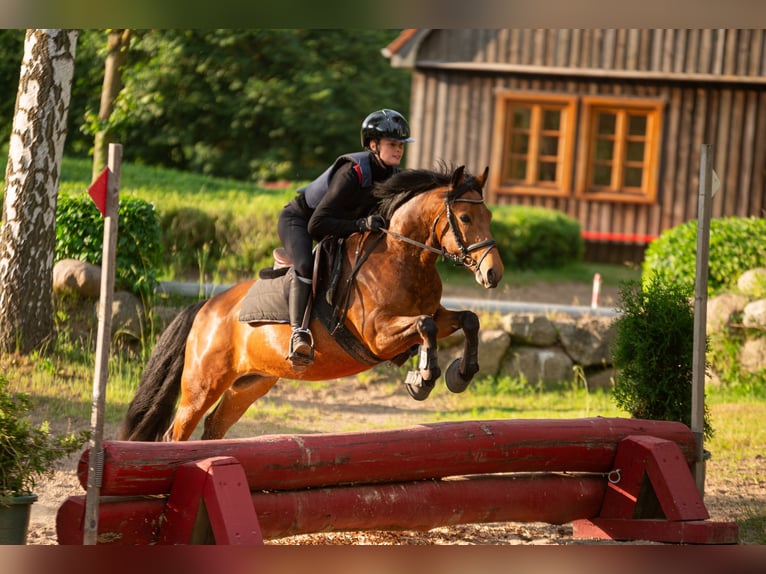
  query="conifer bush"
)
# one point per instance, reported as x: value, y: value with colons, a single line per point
x: 653, y: 352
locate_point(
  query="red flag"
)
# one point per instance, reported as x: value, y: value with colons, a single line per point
x: 97, y: 191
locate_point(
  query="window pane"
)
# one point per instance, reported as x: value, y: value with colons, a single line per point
x: 551, y: 119
x: 549, y: 145
x: 637, y: 125
x: 604, y: 150
x: 517, y: 169
x: 547, y: 171
x: 602, y: 175
x: 521, y: 118
x: 635, y: 151
x: 520, y: 143
x: 605, y: 123
x: 633, y: 176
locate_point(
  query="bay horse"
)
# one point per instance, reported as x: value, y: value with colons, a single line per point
x: 391, y: 305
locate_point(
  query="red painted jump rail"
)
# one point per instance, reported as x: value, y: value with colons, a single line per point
x: 615, y: 478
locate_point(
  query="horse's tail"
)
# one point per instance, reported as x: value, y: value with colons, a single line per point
x: 152, y: 408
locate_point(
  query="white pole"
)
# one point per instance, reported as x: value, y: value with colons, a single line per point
x: 596, y: 291
x: 700, y: 312
x: 96, y: 458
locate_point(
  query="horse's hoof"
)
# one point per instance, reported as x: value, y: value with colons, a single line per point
x: 454, y: 380
x: 417, y: 387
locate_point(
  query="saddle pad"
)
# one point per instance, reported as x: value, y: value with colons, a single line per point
x: 266, y: 301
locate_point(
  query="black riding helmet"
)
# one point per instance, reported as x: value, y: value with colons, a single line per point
x: 385, y: 123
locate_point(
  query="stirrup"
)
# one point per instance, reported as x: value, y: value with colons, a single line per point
x: 301, y: 353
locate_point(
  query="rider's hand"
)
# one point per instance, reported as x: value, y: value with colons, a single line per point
x: 371, y: 223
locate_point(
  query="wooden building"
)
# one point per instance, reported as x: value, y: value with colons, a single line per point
x: 605, y: 125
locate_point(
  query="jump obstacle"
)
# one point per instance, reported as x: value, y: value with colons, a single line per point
x: 624, y: 479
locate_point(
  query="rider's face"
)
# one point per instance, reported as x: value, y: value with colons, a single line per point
x: 389, y: 151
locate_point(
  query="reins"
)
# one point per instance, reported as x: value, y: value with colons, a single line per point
x: 464, y: 258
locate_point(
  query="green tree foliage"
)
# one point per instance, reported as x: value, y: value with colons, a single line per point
x: 12, y: 49
x: 246, y: 104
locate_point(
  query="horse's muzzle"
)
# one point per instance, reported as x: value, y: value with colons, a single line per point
x: 490, y: 278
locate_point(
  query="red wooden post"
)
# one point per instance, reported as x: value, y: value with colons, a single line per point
x: 647, y: 467
x: 210, y: 498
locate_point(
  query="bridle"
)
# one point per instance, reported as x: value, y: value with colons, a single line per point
x: 463, y: 258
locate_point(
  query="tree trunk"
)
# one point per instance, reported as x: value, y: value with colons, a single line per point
x: 117, y: 44
x: 28, y: 234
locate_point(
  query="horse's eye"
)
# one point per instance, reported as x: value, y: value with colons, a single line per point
x: 465, y: 218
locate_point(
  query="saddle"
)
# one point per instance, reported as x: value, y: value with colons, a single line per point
x: 267, y: 299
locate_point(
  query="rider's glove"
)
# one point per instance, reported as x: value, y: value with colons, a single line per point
x: 371, y: 223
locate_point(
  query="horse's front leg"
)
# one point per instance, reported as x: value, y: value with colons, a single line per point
x: 460, y: 373
x: 421, y: 382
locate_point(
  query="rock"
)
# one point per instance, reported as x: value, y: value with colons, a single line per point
x: 754, y: 315
x: 601, y: 379
x: 71, y: 276
x: 539, y: 365
x: 531, y: 329
x: 752, y: 355
x: 753, y: 282
x: 128, y: 316
x: 587, y: 340
x: 722, y: 308
x: 493, y: 345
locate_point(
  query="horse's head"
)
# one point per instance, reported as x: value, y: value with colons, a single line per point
x: 466, y: 238
x: 447, y: 216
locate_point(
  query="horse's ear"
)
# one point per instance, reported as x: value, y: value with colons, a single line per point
x: 457, y: 176
x: 483, y: 178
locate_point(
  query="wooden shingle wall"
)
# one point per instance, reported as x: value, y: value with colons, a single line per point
x: 713, y: 83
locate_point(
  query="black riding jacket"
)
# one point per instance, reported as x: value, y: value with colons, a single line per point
x: 345, y: 201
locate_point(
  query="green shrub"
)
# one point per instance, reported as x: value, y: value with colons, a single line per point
x: 233, y: 242
x: 80, y: 235
x: 28, y: 452
x: 736, y: 245
x: 536, y: 238
x: 653, y: 352
x: 189, y: 239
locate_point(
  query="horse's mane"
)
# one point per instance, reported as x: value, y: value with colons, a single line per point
x: 406, y: 184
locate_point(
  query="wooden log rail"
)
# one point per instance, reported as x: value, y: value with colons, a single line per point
x: 416, y: 478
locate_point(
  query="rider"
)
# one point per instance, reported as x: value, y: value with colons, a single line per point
x: 337, y: 203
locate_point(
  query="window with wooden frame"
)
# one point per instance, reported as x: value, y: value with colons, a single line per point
x: 619, y: 149
x: 532, y: 143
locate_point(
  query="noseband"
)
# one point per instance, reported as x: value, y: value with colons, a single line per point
x: 463, y: 258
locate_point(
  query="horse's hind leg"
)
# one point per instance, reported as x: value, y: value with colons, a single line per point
x: 234, y: 402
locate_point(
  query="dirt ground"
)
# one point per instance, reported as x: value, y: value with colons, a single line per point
x: 363, y: 405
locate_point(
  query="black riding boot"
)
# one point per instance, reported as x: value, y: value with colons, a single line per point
x: 301, y: 353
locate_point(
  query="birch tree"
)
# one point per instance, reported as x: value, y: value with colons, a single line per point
x: 118, y: 43
x: 28, y: 233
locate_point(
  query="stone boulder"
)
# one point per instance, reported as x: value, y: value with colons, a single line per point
x: 753, y: 282
x: 493, y: 346
x: 128, y: 316
x: 754, y: 315
x: 539, y: 365
x: 71, y: 276
x: 721, y: 309
x: 587, y: 339
x: 752, y: 355
x: 531, y: 329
